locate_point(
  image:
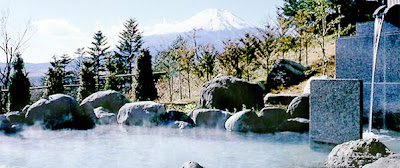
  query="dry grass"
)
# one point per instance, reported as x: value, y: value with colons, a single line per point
x: 314, y: 64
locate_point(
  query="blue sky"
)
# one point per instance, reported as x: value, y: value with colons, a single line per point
x: 61, y: 26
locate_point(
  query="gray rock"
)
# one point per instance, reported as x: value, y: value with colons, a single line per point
x: 15, y: 117
x: 391, y: 161
x: 58, y: 112
x: 109, y: 99
x: 146, y: 113
x: 191, y: 164
x: 182, y: 125
x: 272, y: 117
x: 227, y: 92
x: 285, y: 72
x: 210, y: 118
x: 357, y: 153
x: 105, y: 116
x: 306, y: 89
x: 283, y: 99
x: 299, y: 107
x: 295, y: 125
x: 25, y: 109
x: 245, y: 121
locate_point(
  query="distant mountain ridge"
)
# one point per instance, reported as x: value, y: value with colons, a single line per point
x: 206, y: 20
x: 212, y: 26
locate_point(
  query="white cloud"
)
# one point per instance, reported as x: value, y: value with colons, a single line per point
x: 57, y: 27
x: 54, y: 37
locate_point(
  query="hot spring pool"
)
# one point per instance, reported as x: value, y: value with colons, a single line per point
x: 120, y: 146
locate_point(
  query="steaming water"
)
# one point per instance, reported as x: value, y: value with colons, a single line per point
x: 117, y: 146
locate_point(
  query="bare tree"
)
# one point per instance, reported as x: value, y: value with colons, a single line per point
x: 9, y: 45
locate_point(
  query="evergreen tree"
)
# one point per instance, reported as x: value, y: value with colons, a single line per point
x: 206, y: 61
x: 19, y: 93
x: 98, y: 52
x: 229, y: 60
x: 87, y: 82
x: 144, y: 87
x: 112, y: 82
x: 55, y: 78
x: 129, y: 45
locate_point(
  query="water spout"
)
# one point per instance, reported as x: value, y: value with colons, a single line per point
x: 377, y: 34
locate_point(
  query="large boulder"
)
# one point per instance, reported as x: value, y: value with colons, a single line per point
x: 104, y: 116
x: 227, y: 92
x: 299, y: 107
x: 191, y: 164
x: 272, y: 117
x: 285, y: 72
x: 295, y: 125
x: 357, y: 153
x: 58, y: 112
x: 145, y: 113
x: 391, y: 161
x: 283, y: 99
x: 210, y: 118
x: 109, y: 99
x: 9, y: 127
x: 245, y: 121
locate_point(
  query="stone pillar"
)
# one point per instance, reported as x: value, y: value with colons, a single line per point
x: 335, y: 110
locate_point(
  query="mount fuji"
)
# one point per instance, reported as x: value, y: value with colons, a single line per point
x: 211, y: 26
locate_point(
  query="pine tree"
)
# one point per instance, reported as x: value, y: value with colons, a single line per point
x: 129, y: 45
x: 112, y: 82
x: 144, y: 87
x: 87, y: 82
x: 206, y: 61
x: 19, y: 93
x: 55, y: 78
x: 98, y: 52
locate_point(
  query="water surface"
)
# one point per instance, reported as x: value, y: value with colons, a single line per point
x: 120, y: 146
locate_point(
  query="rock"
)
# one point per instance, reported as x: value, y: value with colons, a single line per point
x: 300, y: 107
x: 391, y: 161
x: 306, y: 89
x: 15, y: 117
x: 58, y: 112
x: 285, y: 72
x: 25, y: 109
x: 272, y: 117
x: 146, y: 113
x: 210, y: 118
x: 227, y: 92
x: 393, y: 121
x: 191, y: 164
x: 245, y: 121
x: 295, y: 125
x: 357, y: 153
x: 104, y: 116
x: 182, y: 125
x: 283, y: 99
x: 173, y: 115
x: 109, y: 99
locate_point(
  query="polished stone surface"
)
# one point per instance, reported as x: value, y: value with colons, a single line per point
x: 354, y: 57
x: 335, y: 110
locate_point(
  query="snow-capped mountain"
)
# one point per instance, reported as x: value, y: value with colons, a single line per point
x: 207, y: 20
x: 211, y: 25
